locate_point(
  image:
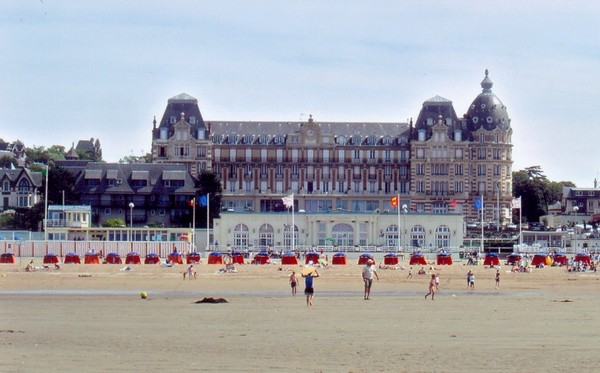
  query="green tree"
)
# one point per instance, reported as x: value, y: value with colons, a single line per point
x: 114, y: 223
x: 536, y: 192
x: 62, y: 181
x: 208, y: 182
x: 8, y: 162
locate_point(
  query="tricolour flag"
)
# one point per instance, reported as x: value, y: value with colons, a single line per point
x: 478, y: 203
x: 394, y: 201
x: 288, y: 201
x: 516, y: 203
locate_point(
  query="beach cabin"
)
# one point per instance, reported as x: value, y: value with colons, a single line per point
x: 91, y: 258
x: 339, y: 259
x: 289, y: 259
x: 193, y: 258
x: 237, y: 257
x: 491, y: 259
x: 513, y: 259
x: 311, y: 257
x: 261, y: 258
x: 390, y: 259
x: 443, y: 259
x: 583, y: 258
x: 72, y: 258
x: 364, y: 258
x: 541, y: 259
x: 560, y: 259
x: 175, y: 258
x: 133, y: 258
x: 215, y: 258
x: 113, y: 258
x: 8, y: 258
x: 50, y: 258
x: 152, y: 258
x: 417, y: 259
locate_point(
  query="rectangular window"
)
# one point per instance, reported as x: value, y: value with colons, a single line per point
x: 481, y: 170
x: 458, y: 169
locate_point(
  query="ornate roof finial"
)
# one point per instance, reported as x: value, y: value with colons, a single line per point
x: 182, y: 116
x: 486, y: 72
x: 487, y: 83
x: 310, y: 118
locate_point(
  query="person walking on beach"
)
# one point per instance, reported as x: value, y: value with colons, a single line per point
x: 432, y: 288
x: 293, y: 283
x: 497, y: 279
x: 409, y: 273
x: 437, y: 283
x: 471, y: 280
x: 309, y: 290
x: 367, y: 274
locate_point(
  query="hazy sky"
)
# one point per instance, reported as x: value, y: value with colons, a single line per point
x: 72, y: 70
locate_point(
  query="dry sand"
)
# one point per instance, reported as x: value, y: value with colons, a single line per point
x: 90, y: 318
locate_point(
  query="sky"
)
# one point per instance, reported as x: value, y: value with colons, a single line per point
x: 72, y: 70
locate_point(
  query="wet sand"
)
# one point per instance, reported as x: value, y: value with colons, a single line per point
x: 90, y: 318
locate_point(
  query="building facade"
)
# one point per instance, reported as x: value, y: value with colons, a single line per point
x: 20, y: 188
x: 437, y: 165
x: 139, y: 194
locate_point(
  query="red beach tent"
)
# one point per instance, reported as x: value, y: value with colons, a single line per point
x: 417, y: 258
x: 444, y: 259
x: 339, y: 259
x: 8, y: 258
x: 50, y: 258
x: 113, y: 258
x: 261, y: 258
x: 560, y: 259
x: 133, y: 258
x: 215, y: 258
x: 513, y: 259
x: 289, y: 259
x: 582, y: 257
x: 364, y: 258
x: 72, y: 258
x: 390, y: 259
x: 237, y: 257
x: 91, y: 258
x: 152, y: 258
x: 193, y: 258
x: 541, y: 260
x: 175, y: 258
x: 311, y: 257
x: 491, y: 259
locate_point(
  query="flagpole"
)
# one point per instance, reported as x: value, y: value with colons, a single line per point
x: 207, y: 221
x: 520, y: 228
x: 482, y: 215
x: 399, y: 230
x: 293, y: 227
x: 46, y: 205
x: 193, y: 221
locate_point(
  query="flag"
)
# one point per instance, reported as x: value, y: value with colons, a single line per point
x: 288, y: 201
x: 394, y: 201
x: 452, y: 203
x: 516, y: 203
x: 478, y: 203
x: 191, y: 202
x: 203, y: 200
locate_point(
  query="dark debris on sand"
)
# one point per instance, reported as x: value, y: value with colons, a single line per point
x: 212, y: 300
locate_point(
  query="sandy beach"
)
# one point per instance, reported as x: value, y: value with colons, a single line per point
x: 91, y: 318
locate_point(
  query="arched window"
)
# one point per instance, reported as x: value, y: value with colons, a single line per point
x: 265, y: 235
x: 290, y: 233
x: 391, y: 235
x: 343, y: 235
x: 240, y: 236
x: 442, y: 236
x: 417, y: 236
x: 24, y: 185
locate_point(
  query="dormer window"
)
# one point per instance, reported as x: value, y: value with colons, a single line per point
x: 173, y: 120
x: 192, y: 120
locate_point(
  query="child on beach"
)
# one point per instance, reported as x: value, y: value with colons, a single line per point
x: 293, y: 283
x: 432, y: 287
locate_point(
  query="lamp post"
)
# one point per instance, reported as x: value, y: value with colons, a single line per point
x: 404, y: 210
x: 131, y: 206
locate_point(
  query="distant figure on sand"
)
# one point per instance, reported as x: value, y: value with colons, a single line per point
x: 431, y: 288
x: 437, y: 283
x: 309, y: 290
x: 367, y: 274
x: 293, y: 283
x: 497, y: 279
x: 471, y: 280
x: 409, y: 273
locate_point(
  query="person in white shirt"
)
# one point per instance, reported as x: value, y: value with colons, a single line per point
x: 368, y: 273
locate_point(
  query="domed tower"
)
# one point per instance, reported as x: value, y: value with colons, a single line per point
x: 489, y: 134
x: 487, y: 111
